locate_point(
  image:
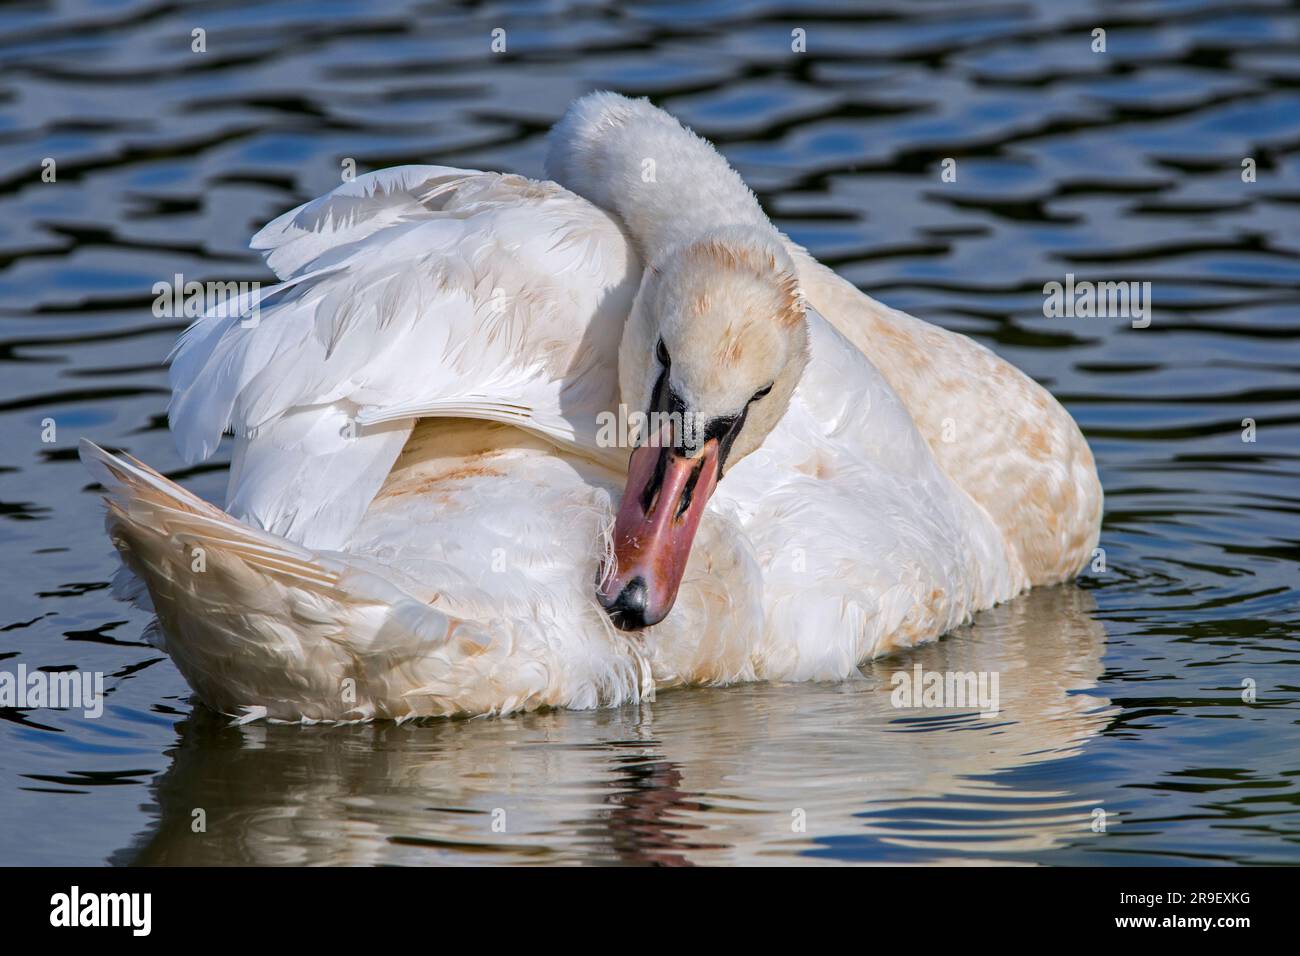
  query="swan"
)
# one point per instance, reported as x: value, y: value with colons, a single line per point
x: 434, y: 508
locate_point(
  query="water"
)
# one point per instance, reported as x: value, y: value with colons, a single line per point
x: 1122, y: 694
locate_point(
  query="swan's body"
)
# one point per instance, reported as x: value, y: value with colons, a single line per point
x: 420, y: 495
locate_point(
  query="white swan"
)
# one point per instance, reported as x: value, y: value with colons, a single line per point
x: 419, y: 507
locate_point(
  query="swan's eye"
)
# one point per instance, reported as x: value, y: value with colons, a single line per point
x: 661, y: 353
x: 761, y: 392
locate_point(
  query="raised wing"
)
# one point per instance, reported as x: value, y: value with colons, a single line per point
x: 410, y: 292
x: 353, y: 212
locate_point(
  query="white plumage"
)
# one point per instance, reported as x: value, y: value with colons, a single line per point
x: 419, y: 505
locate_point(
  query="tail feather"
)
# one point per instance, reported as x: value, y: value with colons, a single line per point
x: 137, y: 495
x: 262, y: 627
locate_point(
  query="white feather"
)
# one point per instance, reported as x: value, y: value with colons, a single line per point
x: 419, y: 506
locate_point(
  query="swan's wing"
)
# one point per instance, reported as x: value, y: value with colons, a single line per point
x: 419, y: 291
x: 353, y: 212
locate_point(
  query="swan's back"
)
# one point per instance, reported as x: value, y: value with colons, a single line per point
x: 1002, y: 437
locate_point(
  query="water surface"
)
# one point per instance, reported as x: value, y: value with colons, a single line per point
x: 1121, y: 694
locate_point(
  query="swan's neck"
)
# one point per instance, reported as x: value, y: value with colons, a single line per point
x: 668, y: 186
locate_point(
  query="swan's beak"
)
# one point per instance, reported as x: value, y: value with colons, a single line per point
x: 662, y: 505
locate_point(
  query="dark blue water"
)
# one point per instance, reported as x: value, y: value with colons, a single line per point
x: 1122, y: 696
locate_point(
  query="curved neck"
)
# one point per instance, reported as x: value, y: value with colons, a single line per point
x: 667, y: 185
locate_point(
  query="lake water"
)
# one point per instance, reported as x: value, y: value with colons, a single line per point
x: 1122, y: 697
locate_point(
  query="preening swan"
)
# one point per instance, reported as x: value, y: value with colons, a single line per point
x: 426, y: 513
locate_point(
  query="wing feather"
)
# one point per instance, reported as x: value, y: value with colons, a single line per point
x: 412, y: 292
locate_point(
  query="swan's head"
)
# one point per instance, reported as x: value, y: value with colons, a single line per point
x: 714, y: 347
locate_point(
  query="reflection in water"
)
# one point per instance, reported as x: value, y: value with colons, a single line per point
x: 700, y: 776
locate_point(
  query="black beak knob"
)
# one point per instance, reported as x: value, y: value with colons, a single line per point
x: 628, y: 610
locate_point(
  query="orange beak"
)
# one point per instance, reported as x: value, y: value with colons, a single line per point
x: 662, y: 505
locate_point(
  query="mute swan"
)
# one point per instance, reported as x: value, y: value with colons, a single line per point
x: 419, y: 517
